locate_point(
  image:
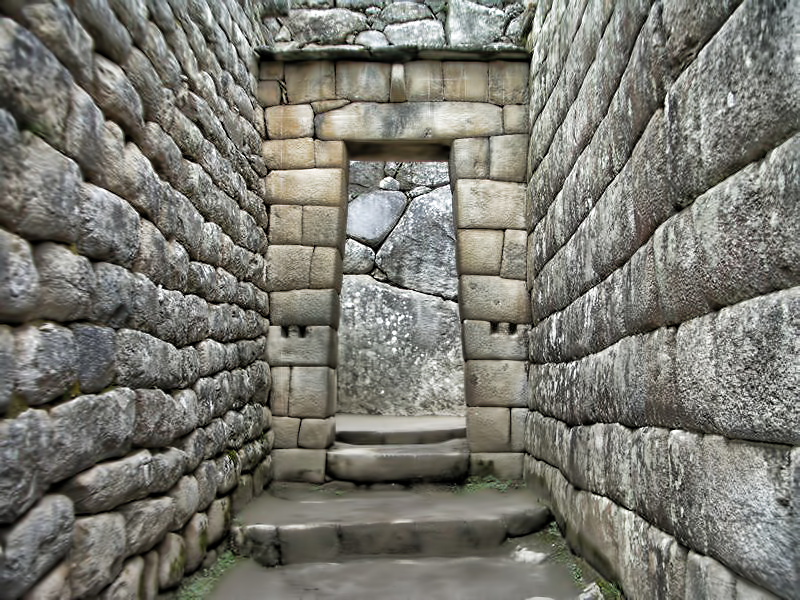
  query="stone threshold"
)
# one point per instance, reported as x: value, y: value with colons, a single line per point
x: 394, y: 54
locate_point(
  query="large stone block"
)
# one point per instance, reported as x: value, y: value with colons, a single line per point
x: 489, y: 429
x: 479, y: 251
x: 502, y: 465
x: 296, y: 153
x: 19, y: 282
x: 286, y: 431
x: 284, y: 122
x: 172, y: 561
x: 288, y: 267
x: 466, y: 81
x: 279, y: 394
x: 371, y: 216
x: 317, y: 433
x: 305, y: 307
x: 310, y: 81
x: 515, y: 252
x: 469, y: 158
x: 496, y: 383
x: 428, y: 33
x: 314, y: 187
x: 312, y: 392
x: 98, y: 549
x: 487, y: 341
x: 146, y: 522
x: 95, y: 353
x: 162, y: 418
x: 326, y: 269
x: 508, y: 82
x: 46, y: 364
x: 488, y: 298
x: 311, y: 346
x: 472, y: 25
x: 324, y: 226
x: 507, y: 157
x: 365, y: 81
x: 424, y: 82
x: 329, y: 155
x: 299, y: 465
x: 515, y: 119
x: 365, y: 121
x: 66, y: 281
x: 286, y: 224
x: 481, y: 203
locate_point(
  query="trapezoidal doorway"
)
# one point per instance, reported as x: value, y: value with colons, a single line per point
x: 468, y: 112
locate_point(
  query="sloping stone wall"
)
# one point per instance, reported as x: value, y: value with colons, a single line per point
x: 132, y: 291
x: 663, y: 266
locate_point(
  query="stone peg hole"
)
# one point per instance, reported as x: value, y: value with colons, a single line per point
x: 400, y: 334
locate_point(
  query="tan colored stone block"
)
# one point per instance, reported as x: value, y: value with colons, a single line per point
x: 479, y: 251
x: 515, y: 118
x: 508, y: 157
x: 314, y: 187
x: 310, y: 81
x: 321, y: 106
x: 305, y: 307
x: 268, y: 93
x: 508, y: 82
x: 289, y: 122
x: 515, y: 250
x: 279, y: 393
x: 269, y: 69
x: 312, y: 392
x: 312, y: 346
x: 492, y: 341
x: 489, y: 298
x: 466, y: 81
x: 488, y: 429
x: 317, y: 433
x: 469, y: 158
x: 424, y: 81
x: 519, y: 419
x: 365, y: 121
x: 288, y: 267
x: 485, y: 204
x: 299, y: 464
x: 295, y: 153
x: 286, y: 431
x: 502, y: 465
x: 285, y: 224
x: 496, y: 383
x: 363, y: 81
x: 330, y: 154
x: 326, y: 269
x: 324, y: 226
x: 397, y: 90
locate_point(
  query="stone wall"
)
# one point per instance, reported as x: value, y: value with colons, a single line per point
x: 132, y: 291
x: 400, y: 333
x: 663, y: 267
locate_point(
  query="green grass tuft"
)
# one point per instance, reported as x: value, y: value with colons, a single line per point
x: 200, y: 585
x: 475, y: 483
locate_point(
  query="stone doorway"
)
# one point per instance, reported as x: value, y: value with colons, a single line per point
x: 472, y: 114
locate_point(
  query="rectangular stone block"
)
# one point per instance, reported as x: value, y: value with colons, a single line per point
x: 285, y: 224
x: 508, y: 157
x: 299, y: 465
x: 479, y: 251
x: 270, y: 70
x: 496, y: 383
x: 424, y: 81
x: 315, y: 187
x: 469, y: 158
x: 317, y: 433
x: 489, y: 429
x: 485, y: 204
x: 330, y: 155
x: 487, y: 341
x: 397, y: 85
x: 466, y: 81
x: 305, y: 307
x: 364, y: 81
x: 289, y: 121
x: 515, y: 119
x: 286, y: 431
x: 326, y: 269
x: 508, y: 82
x: 312, y: 392
x: 519, y: 418
x: 268, y: 93
x: 489, y: 298
x: 502, y: 465
x: 288, y: 267
x: 515, y: 253
x: 324, y: 226
x: 310, y: 81
x: 306, y: 346
x: 279, y: 394
x: 296, y: 153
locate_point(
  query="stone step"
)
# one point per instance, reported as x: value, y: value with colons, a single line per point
x: 380, y: 429
x: 303, y: 525
x: 400, y: 463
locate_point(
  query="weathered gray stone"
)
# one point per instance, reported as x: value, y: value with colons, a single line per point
x: 219, y: 520
x: 515, y: 246
x: 114, y: 93
x: 75, y: 447
x: 496, y: 383
x: 305, y: 307
x: 7, y: 367
x: 109, y: 226
x: 299, y: 465
x: 311, y: 346
x: 66, y: 283
x: 329, y: 26
x: 324, y: 226
x: 45, y: 363
x: 316, y: 433
x: 172, y: 561
x: 141, y: 360
x: 400, y: 12
x: 466, y: 81
x: 427, y: 33
x: 489, y: 204
x: 98, y: 549
x: 487, y: 298
x: 419, y: 334
x: 429, y: 174
x: 358, y: 258
x: 195, y: 538
x: 19, y: 282
x: 36, y: 543
x: 312, y: 392
x: 489, y: 429
x: 286, y: 431
x: 95, y: 356
x: 507, y: 157
x: 484, y: 341
x: 53, y: 586
x: 371, y: 216
x: 508, y: 85
x: 129, y: 582
x: 371, y: 39
x: 515, y: 117
x: 470, y: 24
x: 363, y: 81
x: 146, y: 522
x: 161, y: 418
x: 425, y: 231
